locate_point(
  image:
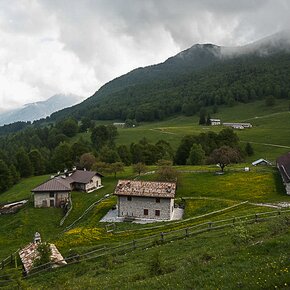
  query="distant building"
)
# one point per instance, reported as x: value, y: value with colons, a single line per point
x: 215, y: 122
x: 283, y: 164
x: 261, y: 162
x: 119, y: 124
x: 145, y: 199
x: 240, y: 126
x: 56, y: 191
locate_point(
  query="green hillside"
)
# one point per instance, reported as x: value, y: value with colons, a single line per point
x: 207, y: 198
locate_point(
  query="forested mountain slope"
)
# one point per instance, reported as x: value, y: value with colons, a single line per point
x: 202, y: 75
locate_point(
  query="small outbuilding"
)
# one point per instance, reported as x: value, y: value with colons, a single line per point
x: 145, y: 199
x: 29, y: 254
x: 215, y: 122
x: 261, y: 162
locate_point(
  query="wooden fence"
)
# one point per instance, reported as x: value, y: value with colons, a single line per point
x: 152, y: 240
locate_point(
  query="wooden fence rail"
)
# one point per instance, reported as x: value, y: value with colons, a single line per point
x: 159, y: 238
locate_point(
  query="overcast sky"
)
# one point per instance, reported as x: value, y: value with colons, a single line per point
x: 75, y: 46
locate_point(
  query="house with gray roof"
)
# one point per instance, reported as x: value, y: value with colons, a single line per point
x: 283, y: 165
x: 56, y: 191
x: 145, y: 199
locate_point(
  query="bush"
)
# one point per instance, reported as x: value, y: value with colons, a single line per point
x: 278, y: 225
x: 240, y: 235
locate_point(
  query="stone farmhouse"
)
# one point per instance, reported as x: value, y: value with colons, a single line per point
x: 145, y: 199
x: 56, y: 191
x: 283, y: 165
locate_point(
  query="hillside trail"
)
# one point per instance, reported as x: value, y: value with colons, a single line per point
x: 268, y: 115
x: 267, y: 144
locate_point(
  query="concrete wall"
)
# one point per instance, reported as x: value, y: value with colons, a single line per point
x: 136, y: 206
x: 44, y: 199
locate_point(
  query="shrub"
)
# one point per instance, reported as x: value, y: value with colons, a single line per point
x: 240, y: 235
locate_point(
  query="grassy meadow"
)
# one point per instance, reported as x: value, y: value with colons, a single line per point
x: 212, y: 260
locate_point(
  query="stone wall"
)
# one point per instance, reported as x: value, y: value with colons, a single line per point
x: 44, y: 199
x: 135, y: 207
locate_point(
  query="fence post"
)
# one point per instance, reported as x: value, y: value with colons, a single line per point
x: 186, y: 232
x: 162, y: 237
x: 279, y: 212
x: 256, y: 217
x: 134, y: 244
x: 210, y: 225
x: 3, y: 265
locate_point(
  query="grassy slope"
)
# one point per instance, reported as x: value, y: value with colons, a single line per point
x: 216, y: 192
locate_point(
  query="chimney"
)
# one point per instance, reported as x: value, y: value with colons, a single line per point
x: 37, y: 238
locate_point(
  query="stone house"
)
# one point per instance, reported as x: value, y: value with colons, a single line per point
x: 283, y: 165
x: 145, y: 199
x: 56, y: 191
x: 238, y: 125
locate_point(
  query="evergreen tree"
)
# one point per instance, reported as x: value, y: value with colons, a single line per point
x: 15, y: 175
x: 202, y: 118
x: 5, y: 177
x: 249, y: 149
x: 24, y: 164
x: 37, y: 162
x: 196, y: 155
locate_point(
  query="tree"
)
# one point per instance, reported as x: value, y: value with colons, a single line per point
x: 196, y: 155
x: 249, y: 149
x: 37, y: 161
x: 85, y: 124
x: 139, y: 168
x: 109, y: 155
x: 99, y: 136
x: 224, y: 156
x: 5, y: 177
x: 15, y: 175
x: 116, y: 167
x: 124, y: 154
x: 183, y: 149
x: 62, y: 157
x: 167, y: 173
x: 102, y: 167
x: 69, y: 127
x: 202, y: 118
x: 87, y: 160
x: 228, y: 137
x: 24, y: 164
x: 208, y: 122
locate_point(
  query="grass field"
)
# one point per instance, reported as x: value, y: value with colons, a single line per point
x: 208, y: 261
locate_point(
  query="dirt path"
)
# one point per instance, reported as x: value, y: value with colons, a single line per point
x: 267, y: 144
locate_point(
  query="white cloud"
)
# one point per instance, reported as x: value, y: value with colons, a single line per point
x: 64, y: 46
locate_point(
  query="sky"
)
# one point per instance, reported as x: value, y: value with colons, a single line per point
x: 49, y: 47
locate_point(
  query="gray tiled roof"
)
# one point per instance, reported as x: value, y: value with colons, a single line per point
x: 145, y: 188
x: 54, y: 184
x: 63, y: 183
x: 81, y: 176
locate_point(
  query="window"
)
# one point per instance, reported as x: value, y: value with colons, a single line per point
x: 145, y: 211
x: 51, y: 194
x: 157, y: 199
x: 157, y: 212
x: 129, y: 198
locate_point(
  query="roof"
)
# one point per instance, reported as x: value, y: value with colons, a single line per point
x: 54, y: 184
x: 83, y: 176
x: 30, y: 253
x: 215, y: 120
x: 283, y: 163
x: 145, y: 188
x: 63, y: 182
x: 261, y: 160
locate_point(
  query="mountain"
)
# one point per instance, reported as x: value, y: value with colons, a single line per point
x: 203, y: 75
x: 38, y: 110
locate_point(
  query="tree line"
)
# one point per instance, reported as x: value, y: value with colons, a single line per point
x: 52, y: 148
